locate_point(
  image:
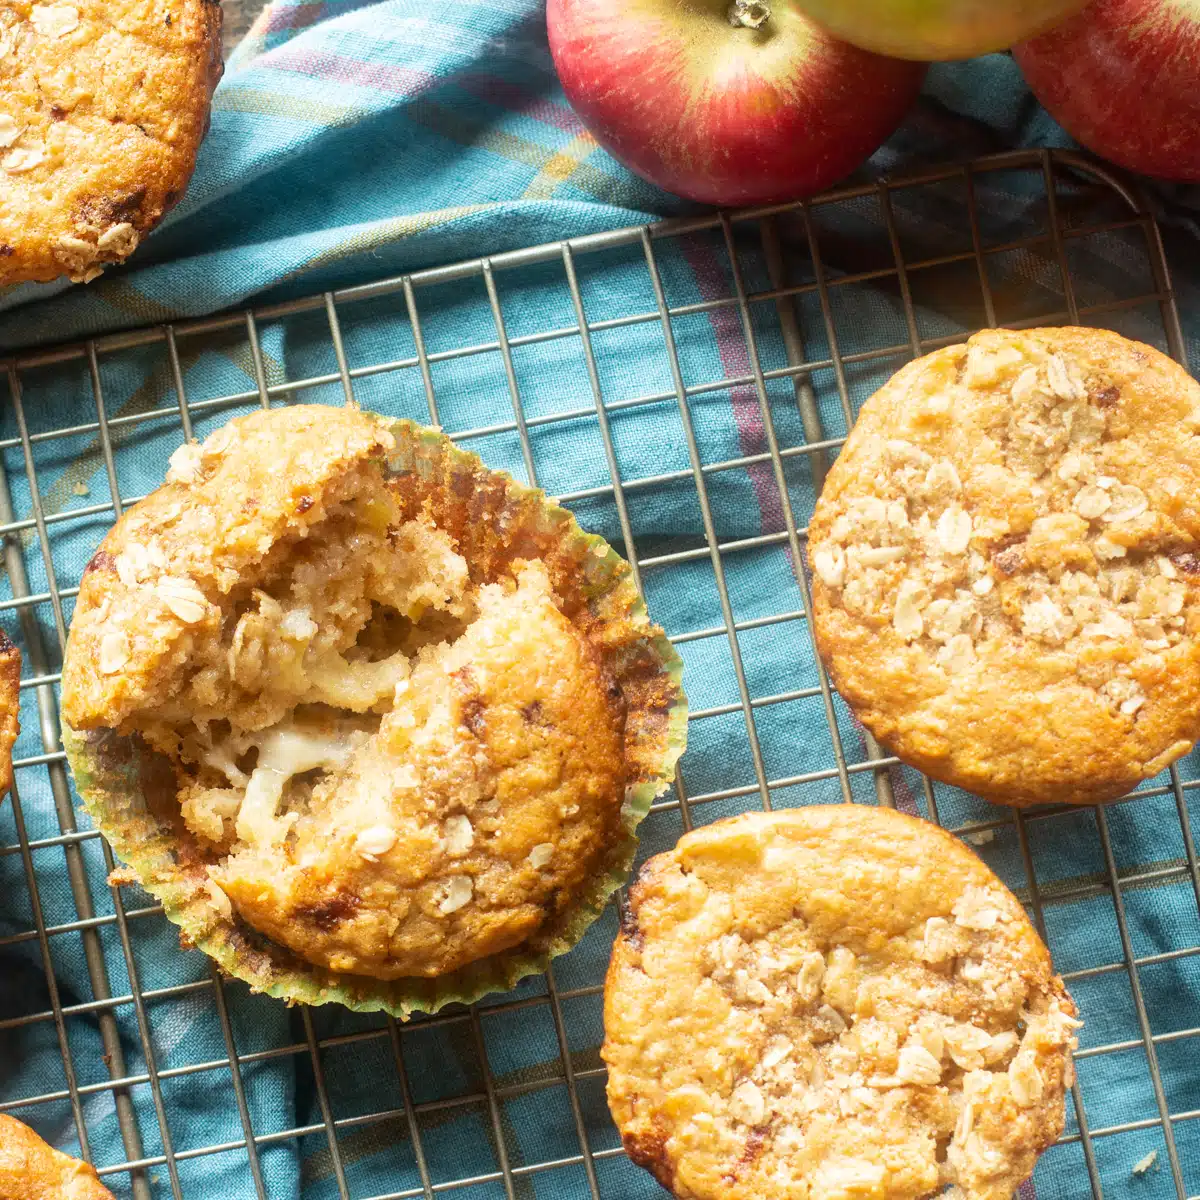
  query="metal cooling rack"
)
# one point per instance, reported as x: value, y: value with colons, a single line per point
x: 1071, y: 191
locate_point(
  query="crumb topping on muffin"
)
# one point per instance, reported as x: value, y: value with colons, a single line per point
x: 798, y: 1007
x: 383, y: 764
x: 1021, y: 504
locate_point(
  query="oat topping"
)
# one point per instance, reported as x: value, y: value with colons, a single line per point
x: 456, y: 893
x: 940, y: 940
x: 185, y: 600
x: 1144, y: 1164
x: 831, y: 566
x: 119, y: 241
x: 23, y: 158
x: 217, y: 895
x: 819, y: 1050
x: 976, y: 908
x: 9, y: 131
x: 1025, y: 1080
x: 184, y: 464
x: 114, y: 652
x: 221, y: 440
x: 374, y: 841
x: 75, y: 253
x: 458, y: 835
x: 140, y: 562
x: 746, y: 1104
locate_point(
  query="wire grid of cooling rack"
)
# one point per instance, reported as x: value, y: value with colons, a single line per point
x: 332, y: 1052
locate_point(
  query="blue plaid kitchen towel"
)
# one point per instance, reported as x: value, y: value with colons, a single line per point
x: 351, y: 141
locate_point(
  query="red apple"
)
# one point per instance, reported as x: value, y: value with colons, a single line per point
x: 728, y: 104
x: 1123, y: 78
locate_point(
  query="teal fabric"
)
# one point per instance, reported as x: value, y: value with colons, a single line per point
x: 351, y: 141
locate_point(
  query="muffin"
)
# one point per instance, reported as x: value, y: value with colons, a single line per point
x: 1005, y: 565
x: 798, y: 1007
x: 10, y: 708
x: 375, y: 723
x: 32, y: 1170
x: 102, y: 110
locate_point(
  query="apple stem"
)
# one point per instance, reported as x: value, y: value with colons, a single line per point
x: 749, y: 14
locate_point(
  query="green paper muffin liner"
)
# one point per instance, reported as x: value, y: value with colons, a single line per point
x: 129, y: 791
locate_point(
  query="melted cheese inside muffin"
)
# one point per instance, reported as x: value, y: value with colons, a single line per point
x: 389, y: 768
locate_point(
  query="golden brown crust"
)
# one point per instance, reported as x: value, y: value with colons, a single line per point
x: 1005, y: 565
x: 798, y: 1007
x: 10, y: 707
x: 102, y: 110
x: 32, y: 1170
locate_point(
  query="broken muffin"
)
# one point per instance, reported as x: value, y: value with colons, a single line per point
x: 375, y: 723
x: 10, y: 708
x: 31, y: 1169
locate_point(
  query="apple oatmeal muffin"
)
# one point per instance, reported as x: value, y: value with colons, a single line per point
x: 798, y: 1007
x: 1006, y: 563
x: 10, y: 708
x: 384, y: 734
x: 32, y: 1170
x: 103, y: 105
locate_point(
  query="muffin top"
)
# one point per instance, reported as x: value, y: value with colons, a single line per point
x: 797, y: 1006
x: 32, y: 1170
x: 381, y: 760
x: 1006, y: 564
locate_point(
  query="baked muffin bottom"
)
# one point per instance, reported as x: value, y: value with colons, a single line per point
x: 801, y: 1004
x: 1006, y: 563
x: 385, y: 767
